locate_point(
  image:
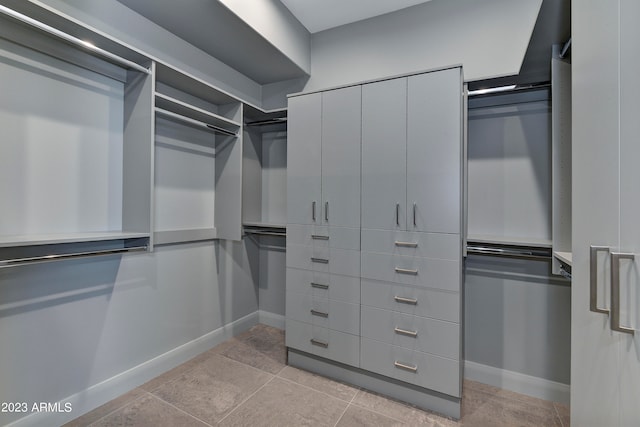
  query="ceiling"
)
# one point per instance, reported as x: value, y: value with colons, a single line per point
x: 321, y: 15
x: 212, y: 27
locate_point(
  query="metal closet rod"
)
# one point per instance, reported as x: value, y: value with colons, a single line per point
x: 508, y: 251
x: 504, y: 90
x: 267, y: 121
x: 195, y: 122
x: 58, y: 257
x: 71, y: 39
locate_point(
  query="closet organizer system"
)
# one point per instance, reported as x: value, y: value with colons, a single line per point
x: 97, y: 138
x: 374, y: 236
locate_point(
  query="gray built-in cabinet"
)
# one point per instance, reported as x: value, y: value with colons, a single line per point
x: 374, y: 242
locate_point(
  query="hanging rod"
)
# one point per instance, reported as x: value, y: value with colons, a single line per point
x: 71, y: 39
x: 565, y: 48
x: 272, y: 121
x: 58, y: 257
x: 521, y: 252
x: 195, y: 122
x: 503, y: 90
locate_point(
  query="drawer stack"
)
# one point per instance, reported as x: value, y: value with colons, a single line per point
x: 323, y: 291
x: 410, y: 313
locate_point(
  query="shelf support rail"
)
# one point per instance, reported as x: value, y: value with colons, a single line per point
x: 58, y: 257
x: 73, y: 40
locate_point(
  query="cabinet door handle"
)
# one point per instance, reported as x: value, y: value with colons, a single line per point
x: 414, y: 215
x: 412, y: 334
x: 397, y: 213
x: 403, y: 300
x: 319, y: 237
x: 319, y: 313
x: 326, y: 211
x: 319, y: 343
x: 406, y: 244
x: 320, y: 260
x: 406, y: 271
x: 615, y: 292
x: 319, y: 285
x: 404, y: 366
x: 593, y: 278
x: 313, y: 211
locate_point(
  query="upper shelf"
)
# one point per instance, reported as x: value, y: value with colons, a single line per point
x: 565, y: 257
x: 176, y: 106
x: 529, y: 242
x: 58, y: 238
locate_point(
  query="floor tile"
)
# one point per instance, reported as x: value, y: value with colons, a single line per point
x: 400, y: 411
x: 283, y: 403
x: 245, y: 353
x: 356, y: 416
x: 564, y: 413
x: 174, y: 373
x: 266, y: 340
x: 148, y: 411
x: 213, y: 388
x: 332, y: 388
x: 106, y: 409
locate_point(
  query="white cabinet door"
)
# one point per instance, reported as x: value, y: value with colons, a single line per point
x: 304, y: 159
x: 341, y: 127
x: 384, y: 154
x: 595, y: 210
x: 629, y: 211
x: 434, y: 141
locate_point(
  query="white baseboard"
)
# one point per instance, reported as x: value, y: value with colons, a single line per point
x: 107, y: 390
x: 271, y: 319
x: 520, y: 383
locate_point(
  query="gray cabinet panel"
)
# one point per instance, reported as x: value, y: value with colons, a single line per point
x: 434, y: 372
x: 427, y: 245
x: 437, y: 304
x: 434, y: 129
x: 432, y: 273
x: 304, y: 159
x: 341, y: 127
x: 324, y: 342
x: 384, y: 154
x: 328, y: 313
x: 324, y: 285
x: 412, y: 332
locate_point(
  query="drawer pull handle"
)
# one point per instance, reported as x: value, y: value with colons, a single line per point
x: 406, y: 244
x: 320, y: 260
x: 319, y: 285
x: 403, y: 300
x: 319, y: 313
x: 412, y: 334
x: 319, y: 237
x: 319, y: 343
x: 406, y: 271
x: 313, y: 211
x: 406, y: 367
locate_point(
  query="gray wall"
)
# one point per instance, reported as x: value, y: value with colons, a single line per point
x: 67, y: 326
x: 488, y: 38
x: 517, y: 317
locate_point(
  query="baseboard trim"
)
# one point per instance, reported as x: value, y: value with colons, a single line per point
x: 103, y: 392
x: 520, y: 383
x: 271, y: 319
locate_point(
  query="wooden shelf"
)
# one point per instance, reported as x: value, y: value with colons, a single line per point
x: 509, y: 240
x: 167, y: 237
x: 174, y: 105
x: 54, y: 239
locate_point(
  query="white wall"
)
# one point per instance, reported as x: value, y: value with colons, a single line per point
x: 489, y: 38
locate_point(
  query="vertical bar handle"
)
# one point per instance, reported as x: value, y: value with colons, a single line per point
x: 414, y: 215
x: 397, y: 213
x: 615, y: 291
x: 326, y: 211
x: 593, y: 278
x: 313, y: 211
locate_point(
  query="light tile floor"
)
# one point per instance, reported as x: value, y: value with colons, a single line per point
x: 245, y: 382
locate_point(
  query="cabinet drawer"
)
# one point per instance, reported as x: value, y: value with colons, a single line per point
x: 324, y: 236
x: 425, y: 245
x: 324, y: 285
x: 413, y: 332
x: 433, y: 303
x: 328, y: 260
x: 422, y: 369
x: 433, y: 273
x: 324, y: 342
x: 328, y: 313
